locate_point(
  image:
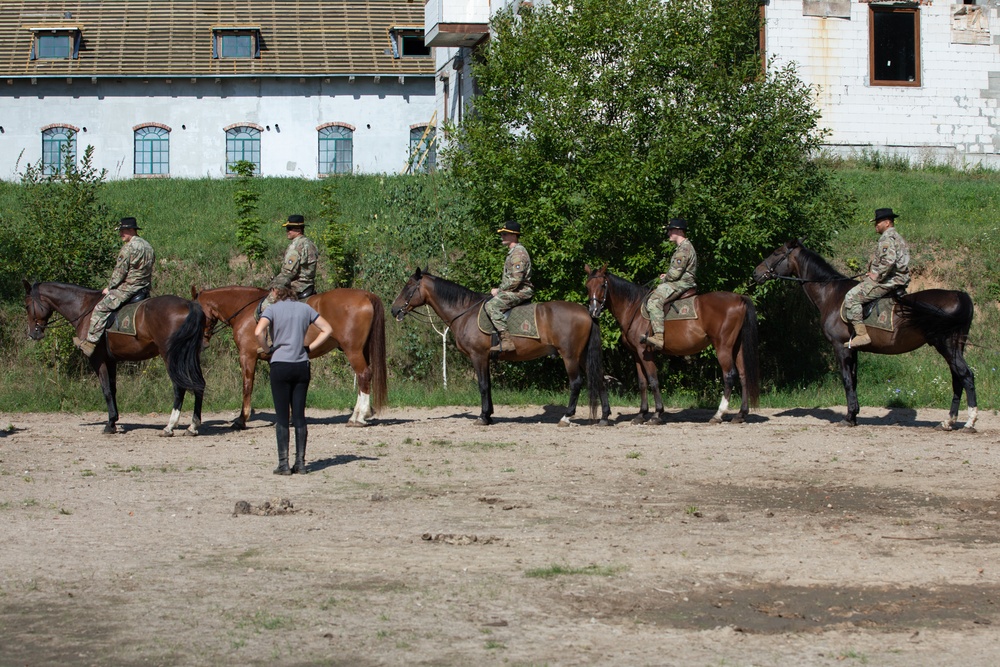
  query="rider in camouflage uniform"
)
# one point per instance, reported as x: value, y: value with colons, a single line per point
x: 298, y: 269
x: 515, y: 286
x: 679, y: 278
x: 133, y: 274
x: 888, y: 270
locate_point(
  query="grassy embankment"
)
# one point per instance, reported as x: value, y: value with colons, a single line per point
x: 950, y: 219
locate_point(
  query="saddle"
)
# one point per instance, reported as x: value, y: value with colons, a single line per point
x: 681, y: 308
x: 521, y: 321
x: 880, y: 313
x: 122, y: 320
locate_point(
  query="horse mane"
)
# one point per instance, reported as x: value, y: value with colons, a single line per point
x: 454, y: 293
x: 628, y: 289
x: 818, y: 268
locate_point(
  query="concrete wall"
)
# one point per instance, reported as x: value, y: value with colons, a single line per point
x: 288, y: 109
x: 951, y: 118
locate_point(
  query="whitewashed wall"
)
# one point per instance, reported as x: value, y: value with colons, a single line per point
x: 951, y: 118
x: 197, y: 112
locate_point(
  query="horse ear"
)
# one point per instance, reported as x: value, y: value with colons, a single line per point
x: 27, y: 285
x: 586, y: 267
x: 416, y: 273
x: 604, y: 269
x: 194, y: 292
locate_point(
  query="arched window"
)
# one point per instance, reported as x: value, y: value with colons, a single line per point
x: 152, y: 151
x: 242, y: 143
x: 58, y: 146
x: 423, y: 149
x: 336, y: 150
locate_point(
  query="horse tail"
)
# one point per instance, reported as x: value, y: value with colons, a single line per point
x: 184, y: 351
x: 749, y: 346
x: 375, y: 352
x: 937, y: 323
x: 595, y: 369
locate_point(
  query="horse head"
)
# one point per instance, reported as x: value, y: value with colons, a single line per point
x: 597, y: 289
x: 409, y: 297
x: 39, y: 311
x: 778, y: 263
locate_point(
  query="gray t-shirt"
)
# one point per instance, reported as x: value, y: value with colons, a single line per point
x: 289, y: 322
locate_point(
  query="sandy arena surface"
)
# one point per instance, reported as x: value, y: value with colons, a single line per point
x: 426, y: 540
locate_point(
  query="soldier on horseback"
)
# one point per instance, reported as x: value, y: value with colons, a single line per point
x: 298, y: 268
x: 679, y: 278
x: 515, y: 286
x: 888, y: 271
x: 133, y: 274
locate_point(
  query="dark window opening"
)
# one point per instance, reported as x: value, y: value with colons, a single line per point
x: 895, y: 46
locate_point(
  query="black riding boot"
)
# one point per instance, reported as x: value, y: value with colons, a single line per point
x: 281, y: 433
x: 300, y: 451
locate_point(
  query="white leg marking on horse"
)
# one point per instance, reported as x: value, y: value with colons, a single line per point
x: 195, y: 425
x: 175, y: 415
x: 723, y: 406
x: 973, y: 416
x: 364, y: 407
x: 949, y: 423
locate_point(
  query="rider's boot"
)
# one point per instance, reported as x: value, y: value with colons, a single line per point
x: 85, y: 346
x: 861, y: 337
x: 655, y: 341
x: 505, y: 344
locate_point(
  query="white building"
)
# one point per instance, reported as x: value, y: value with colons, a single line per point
x: 917, y: 78
x: 185, y: 88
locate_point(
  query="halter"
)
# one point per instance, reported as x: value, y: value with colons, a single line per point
x: 228, y: 322
x: 427, y: 318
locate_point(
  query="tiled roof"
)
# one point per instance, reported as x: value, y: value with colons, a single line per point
x: 167, y: 38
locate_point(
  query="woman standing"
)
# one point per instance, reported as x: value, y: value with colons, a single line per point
x: 290, y: 319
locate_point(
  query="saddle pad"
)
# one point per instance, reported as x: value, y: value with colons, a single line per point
x: 122, y: 321
x: 682, y: 309
x: 881, y: 315
x: 520, y: 321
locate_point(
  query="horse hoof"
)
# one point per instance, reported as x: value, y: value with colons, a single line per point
x: 944, y: 427
x: 238, y: 425
x: 969, y: 429
x: 189, y: 432
x: 847, y: 423
x: 715, y: 420
x: 354, y: 424
x: 563, y: 423
x: 605, y: 422
x: 655, y: 421
x: 166, y: 434
x: 482, y: 421
x: 638, y: 421
x: 110, y: 430
x: 738, y: 419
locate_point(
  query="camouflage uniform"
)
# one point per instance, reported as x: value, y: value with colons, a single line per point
x: 680, y: 277
x: 298, y: 269
x: 515, y: 286
x: 133, y: 274
x: 891, y: 263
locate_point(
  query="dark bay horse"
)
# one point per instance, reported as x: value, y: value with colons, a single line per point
x: 168, y: 326
x: 358, y: 321
x: 564, y: 328
x: 727, y: 321
x: 935, y: 317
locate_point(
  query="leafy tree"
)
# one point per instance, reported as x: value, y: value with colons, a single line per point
x: 597, y: 120
x: 64, y: 232
x: 248, y: 221
x: 334, y: 235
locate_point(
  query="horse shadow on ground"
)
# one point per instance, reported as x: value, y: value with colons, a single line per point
x: 895, y: 417
x: 338, y: 460
x: 267, y: 419
x: 690, y: 416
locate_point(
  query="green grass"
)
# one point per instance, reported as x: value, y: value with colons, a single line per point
x: 951, y: 220
x: 557, y: 570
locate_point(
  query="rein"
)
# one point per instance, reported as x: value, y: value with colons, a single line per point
x: 228, y: 322
x: 427, y: 318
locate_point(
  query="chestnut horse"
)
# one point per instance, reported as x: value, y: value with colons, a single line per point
x: 168, y: 326
x: 726, y: 321
x: 564, y: 328
x: 935, y: 317
x: 358, y: 321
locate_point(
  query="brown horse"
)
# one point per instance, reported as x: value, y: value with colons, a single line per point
x: 563, y: 328
x: 168, y: 326
x: 726, y: 321
x: 935, y: 317
x: 358, y: 321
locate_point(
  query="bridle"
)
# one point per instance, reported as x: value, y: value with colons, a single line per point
x: 770, y: 274
x: 427, y: 318
x: 227, y: 322
x: 599, y: 306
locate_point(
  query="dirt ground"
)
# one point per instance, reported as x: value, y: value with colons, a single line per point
x: 426, y: 540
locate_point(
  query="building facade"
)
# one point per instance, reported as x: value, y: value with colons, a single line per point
x: 186, y: 89
x: 915, y: 78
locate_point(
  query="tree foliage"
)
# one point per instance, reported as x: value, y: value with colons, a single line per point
x: 248, y: 220
x: 64, y: 232
x: 598, y: 120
